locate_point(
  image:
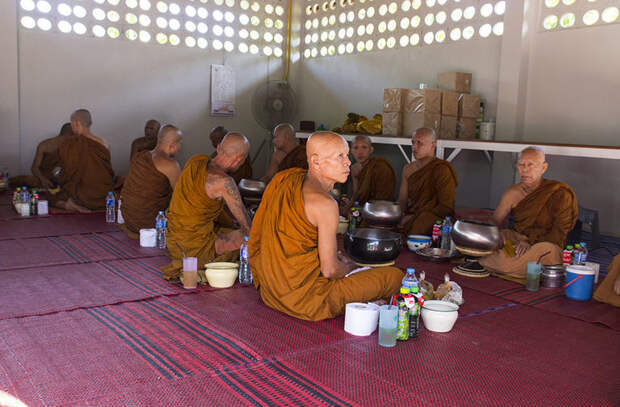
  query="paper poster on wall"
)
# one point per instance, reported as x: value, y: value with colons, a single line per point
x: 222, y: 91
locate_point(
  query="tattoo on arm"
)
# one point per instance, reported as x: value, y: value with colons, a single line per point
x: 235, y: 204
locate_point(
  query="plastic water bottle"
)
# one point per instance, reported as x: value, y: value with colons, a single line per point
x: 110, y: 208
x: 119, y: 216
x: 161, y: 223
x: 245, y: 273
x: 414, y: 314
x: 584, y: 253
x: 580, y: 254
x: 446, y: 229
x: 410, y: 279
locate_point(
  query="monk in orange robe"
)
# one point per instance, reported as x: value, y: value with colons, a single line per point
x: 543, y: 212
x: 293, y: 248
x: 609, y: 290
x: 149, y: 184
x: 288, y: 152
x: 373, y: 177
x: 149, y: 141
x: 428, y: 186
x: 245, y: 170
x: 45, y: 161
x: 87, y: 175
x: 194, y: 214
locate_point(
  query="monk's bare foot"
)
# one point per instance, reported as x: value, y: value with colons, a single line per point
x: 379, y: 302
x: 72, y: 206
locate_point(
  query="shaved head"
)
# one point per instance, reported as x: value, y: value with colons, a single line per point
x: 169, y: 134
x: 66, y: 130
x: 426, y: 132
x: 533, y: 152
x: 286, y: 130
x: 362, y: 138
x: 217, y: 134
x: 234, y: 143
x: 83, y: 116
x: 319, y: 141
x: 328, y: 156
x: 151, y: 128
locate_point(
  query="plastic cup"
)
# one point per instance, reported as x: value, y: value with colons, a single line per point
x: 388, y: 325
x: 532, y: 279
x: 190, y: 272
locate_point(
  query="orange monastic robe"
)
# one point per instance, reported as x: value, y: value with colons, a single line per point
x: 431, y: 192
x: 146, y: 191
x: 87, y: 175
x: 545, y: 217
x: 605, y: 292
x: 295, y: 159
x: 376, y: 181
x: 284, y: 258
x: 193, y: 220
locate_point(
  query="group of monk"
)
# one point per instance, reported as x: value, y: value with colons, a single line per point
x: 293, y: 247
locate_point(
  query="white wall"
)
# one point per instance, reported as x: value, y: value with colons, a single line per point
x: 124, y: 84
x: 9, y: 106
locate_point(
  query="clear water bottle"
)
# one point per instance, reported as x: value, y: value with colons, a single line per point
x: 245, y: 273
x: 584, y: 253
x: 110, y: 208
x: 161, y: 224
x: 446, y: 229
x: 119, y: 215
x: 580, y: 254
x: 410, y: 279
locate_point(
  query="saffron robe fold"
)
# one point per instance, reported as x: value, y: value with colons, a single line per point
x: 87, y: 175
x: 605, y: 292
x: 431, y: 191
x: 376, y: 181
x: 146, y: 191
x: 295, y: 159
x: 193, y: 220
x: 284, y: 258
x: 545, y: 216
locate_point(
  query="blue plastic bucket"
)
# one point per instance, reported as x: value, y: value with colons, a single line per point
x: 581, y: 289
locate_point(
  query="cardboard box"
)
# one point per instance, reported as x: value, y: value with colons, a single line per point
x: 422, y: 100
x: 466, y: 128
x: 455, y: 81
x: 392, y: 124
x: 448, y: 127
x: 469, y: 106
x: 394, y: 100
x: 414, y: 120
x: 450, y: 103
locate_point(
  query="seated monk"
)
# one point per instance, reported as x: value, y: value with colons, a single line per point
x: 288, y: 152
x: 149, y: 184
x: 245, y: 170
x: 427, y: 186
x: 609, y: 290
x: 543, y: 212
x: 194, y: 215
x: 45, y: 161
x: 373, y: 177
x: 293, y: 248
x: 149, y: 141
x: 87, y: 175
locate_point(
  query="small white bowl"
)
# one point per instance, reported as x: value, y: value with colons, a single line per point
x: 222, y: 274
x: 416, y: 242
x: 439, y: 316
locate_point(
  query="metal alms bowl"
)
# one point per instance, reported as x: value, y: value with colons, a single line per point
x: 480, y: 237
x: 372, y: 246
x: 250, y: 188
x: 381, y: 213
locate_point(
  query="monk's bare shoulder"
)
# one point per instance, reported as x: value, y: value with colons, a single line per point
x: 319, y: 205
x: 408, y: 170
x: 50, y: 145
x: 356, y: 169
x: 278, y: 156
x: 513, y: 195
x: 166, y: 165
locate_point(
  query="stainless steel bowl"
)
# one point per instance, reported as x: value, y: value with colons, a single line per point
x: 552, y: 276
x: 480, y: 237
x: 381, y: 213
x: 250, y: 188
x: 372, y: 246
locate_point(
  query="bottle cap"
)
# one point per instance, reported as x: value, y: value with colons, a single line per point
x: 410, y: 270
x: 246, y: 238
x: 569, y: 247
x: 583, y: 244
x: 415, y: 289
x: 438, y: 222
x: 577, y: 245
x: 160, y: 212
x: 404, y: 290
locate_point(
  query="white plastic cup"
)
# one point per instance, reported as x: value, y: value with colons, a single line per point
x: 190, y: 272
x: 42, y: 208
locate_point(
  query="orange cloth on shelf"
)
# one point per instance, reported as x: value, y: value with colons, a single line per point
x: 431, y: 191
x: 146, y: 191
x: 605, y: 292
x: 284, y: 258
x: 547, y: 214
x: 376, y: 181
x: 87, y: 175
x: 295, y: 159
x: 193, y: 220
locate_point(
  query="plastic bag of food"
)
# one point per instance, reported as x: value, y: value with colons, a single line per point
x: 426, y: 288
x: 449, y: 291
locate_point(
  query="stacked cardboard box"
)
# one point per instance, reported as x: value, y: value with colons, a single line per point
x: 405, y: 110
x: 459, y: 107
